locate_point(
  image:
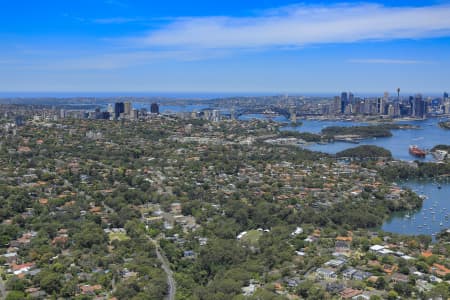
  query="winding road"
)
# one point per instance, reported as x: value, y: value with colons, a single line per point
x: 164, y: 263
x: 2, y: 289
x: 166, y: 268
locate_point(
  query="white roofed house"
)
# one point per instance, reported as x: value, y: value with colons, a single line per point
x: 325, y: 273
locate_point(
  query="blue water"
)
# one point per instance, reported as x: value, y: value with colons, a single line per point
x: 181, y: 108
x: 432, y: 218
x: 427, y: 136
x: 250, y: 117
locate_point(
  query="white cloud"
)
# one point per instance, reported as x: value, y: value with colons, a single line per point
x: 9, y: 62
x: 286, y: 28
x: 301, y: 25
x: 117, y: 20
x: 117, y: 60
x: 387, y: 61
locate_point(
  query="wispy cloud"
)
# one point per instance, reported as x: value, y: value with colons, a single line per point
x: 116, y: 20
x: 387, y: 61
x: 8, y: 62
x: 301, y: 25
x: 286, y: 28
x: 115, y: 60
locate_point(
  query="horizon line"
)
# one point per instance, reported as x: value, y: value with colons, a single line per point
x: 259, y: 93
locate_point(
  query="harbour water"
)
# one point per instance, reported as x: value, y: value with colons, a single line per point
x: 433, y: 217
x: 428, y: 135
x: 181, y: 108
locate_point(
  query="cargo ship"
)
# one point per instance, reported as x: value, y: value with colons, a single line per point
x: 416, y: 151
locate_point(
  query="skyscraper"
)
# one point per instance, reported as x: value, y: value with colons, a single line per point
x: 19, y: 121
x: 127, y: 108
x: 344, y: 101
x: 397, y: 109
x: 445, y: 95
x: 337, y: 105
x: 380, y: 106
x: 391, y: 110
x: 119, y: 107
x: 154, y: 108
x: 351, y: 98
x: 215, y: 116
x: 419, y: 110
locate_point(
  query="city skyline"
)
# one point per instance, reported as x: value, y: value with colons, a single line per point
x: 201, y: 47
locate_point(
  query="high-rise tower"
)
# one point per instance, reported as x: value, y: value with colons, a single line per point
x: 119, y: 108
x: 154, y: 108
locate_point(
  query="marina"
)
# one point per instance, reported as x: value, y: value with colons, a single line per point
x: 431, y: 219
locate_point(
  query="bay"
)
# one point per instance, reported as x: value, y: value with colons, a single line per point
x: 434, y: 215
x: 428, y: 135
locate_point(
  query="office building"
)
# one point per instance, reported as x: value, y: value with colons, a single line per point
x: 351, y: 99
x: 447, y: 108
x: 380, y: 106
x: 215, y: 116
x: 420, y: 107
x: 391, y: 110
x: 154, y: 108
x: 119, y: 108
x: 337, y: 105
x: 344, y: 101
x: 127, y: 108
x: 207, y: 115
x: 19, y: 121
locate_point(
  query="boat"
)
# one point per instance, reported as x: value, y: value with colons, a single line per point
x: 416, y: 151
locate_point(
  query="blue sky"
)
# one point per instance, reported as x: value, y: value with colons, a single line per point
x: 228, y: 46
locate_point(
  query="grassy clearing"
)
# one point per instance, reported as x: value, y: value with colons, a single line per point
x: 118, y: 236
x: 252, y: 237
